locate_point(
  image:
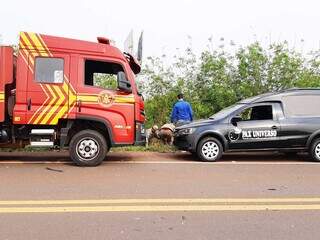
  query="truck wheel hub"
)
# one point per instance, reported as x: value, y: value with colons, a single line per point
x: 87, y: 148
x: 210, y: 150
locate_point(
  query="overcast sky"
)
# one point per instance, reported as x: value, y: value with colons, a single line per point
x: 167, y: 23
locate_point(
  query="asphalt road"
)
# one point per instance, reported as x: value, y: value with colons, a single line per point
x: 159, y: 196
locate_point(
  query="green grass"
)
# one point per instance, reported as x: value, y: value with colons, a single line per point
x: 153, y: 147
x: 27, y: 149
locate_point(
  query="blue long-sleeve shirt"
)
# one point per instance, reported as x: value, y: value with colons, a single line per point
x: 181, y: 111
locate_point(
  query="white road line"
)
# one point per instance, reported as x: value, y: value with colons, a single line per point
x: 170, y: 162
x: 215, y: 163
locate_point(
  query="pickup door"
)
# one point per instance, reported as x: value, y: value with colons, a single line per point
x: 258, y: 128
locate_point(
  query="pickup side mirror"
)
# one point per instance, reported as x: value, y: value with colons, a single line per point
x: 123, y: 83
x: 235, y: 120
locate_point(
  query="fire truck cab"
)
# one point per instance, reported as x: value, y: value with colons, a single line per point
x: 70, y: 94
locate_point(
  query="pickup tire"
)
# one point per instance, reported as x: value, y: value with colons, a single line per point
x: 88, y: 148
x: 209, y: 149
x: 314, y: 150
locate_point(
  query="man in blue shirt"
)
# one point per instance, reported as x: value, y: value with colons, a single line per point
x: 181, y: 112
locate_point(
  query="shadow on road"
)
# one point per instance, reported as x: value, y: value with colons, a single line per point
x: 53, y: 156
x: 34, y: 156
x: 63, y: 157
x: 252, y: 157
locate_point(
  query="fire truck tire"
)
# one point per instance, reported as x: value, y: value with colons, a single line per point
x: 88, y: 148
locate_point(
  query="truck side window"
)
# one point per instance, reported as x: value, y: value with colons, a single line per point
x: 261, y: 112
x: 102, y: 74
x: 49, y: 70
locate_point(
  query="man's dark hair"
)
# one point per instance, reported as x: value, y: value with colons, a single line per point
x: 180, y: 96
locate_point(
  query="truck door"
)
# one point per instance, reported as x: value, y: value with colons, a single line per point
x: 99, y: 98
x: 47, y: 88
x: 257, y: 127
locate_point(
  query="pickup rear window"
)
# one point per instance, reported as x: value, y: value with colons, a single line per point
x: 301, y: 105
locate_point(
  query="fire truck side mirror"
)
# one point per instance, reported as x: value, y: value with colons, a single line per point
x: 123, y: 83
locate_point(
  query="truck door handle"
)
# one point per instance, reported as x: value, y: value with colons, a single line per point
x: 79, y: 105
x: 274, y: 127
x: 29, y: 104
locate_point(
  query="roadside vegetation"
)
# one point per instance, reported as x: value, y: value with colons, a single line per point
x: 219, y: 77
x: 155, y: 147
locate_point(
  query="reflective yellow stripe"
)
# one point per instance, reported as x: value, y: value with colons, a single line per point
x: 59, y: 115
x: 121, y: 99
x: 47, y: 109
x: 27, y: 42
x: 55, y: 106
x: 38, y: 44
x: 94, y: 98
x: 37, y: 111
x: 48, y: 106
x: 44, y: 45
x: 22, y: 48
x: 2, y: 96
x: 88, y: 98
x: 63, y: 109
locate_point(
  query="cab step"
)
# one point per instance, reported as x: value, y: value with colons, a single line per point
x: 42, y: 137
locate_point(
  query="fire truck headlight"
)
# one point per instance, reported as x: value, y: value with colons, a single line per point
x: 143, y: 130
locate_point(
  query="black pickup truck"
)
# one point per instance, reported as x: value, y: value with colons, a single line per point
x: 287, y: 121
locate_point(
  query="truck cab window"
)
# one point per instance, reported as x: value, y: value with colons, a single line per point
x: 49, y: 70
x: 261, y: 112
x: 102, y: 74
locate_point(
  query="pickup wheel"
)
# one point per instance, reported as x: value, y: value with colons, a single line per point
x: 88, y: 148
x: 209, y: 149
x: 315, y: 150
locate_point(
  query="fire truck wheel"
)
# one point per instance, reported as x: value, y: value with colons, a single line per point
x: 88, y: 148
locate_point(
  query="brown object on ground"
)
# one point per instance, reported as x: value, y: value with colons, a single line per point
x: 166, y: 136
x: 166, y: 133
x: 151, y: 134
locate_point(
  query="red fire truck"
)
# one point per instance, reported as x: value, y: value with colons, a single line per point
x: 66, y: 93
